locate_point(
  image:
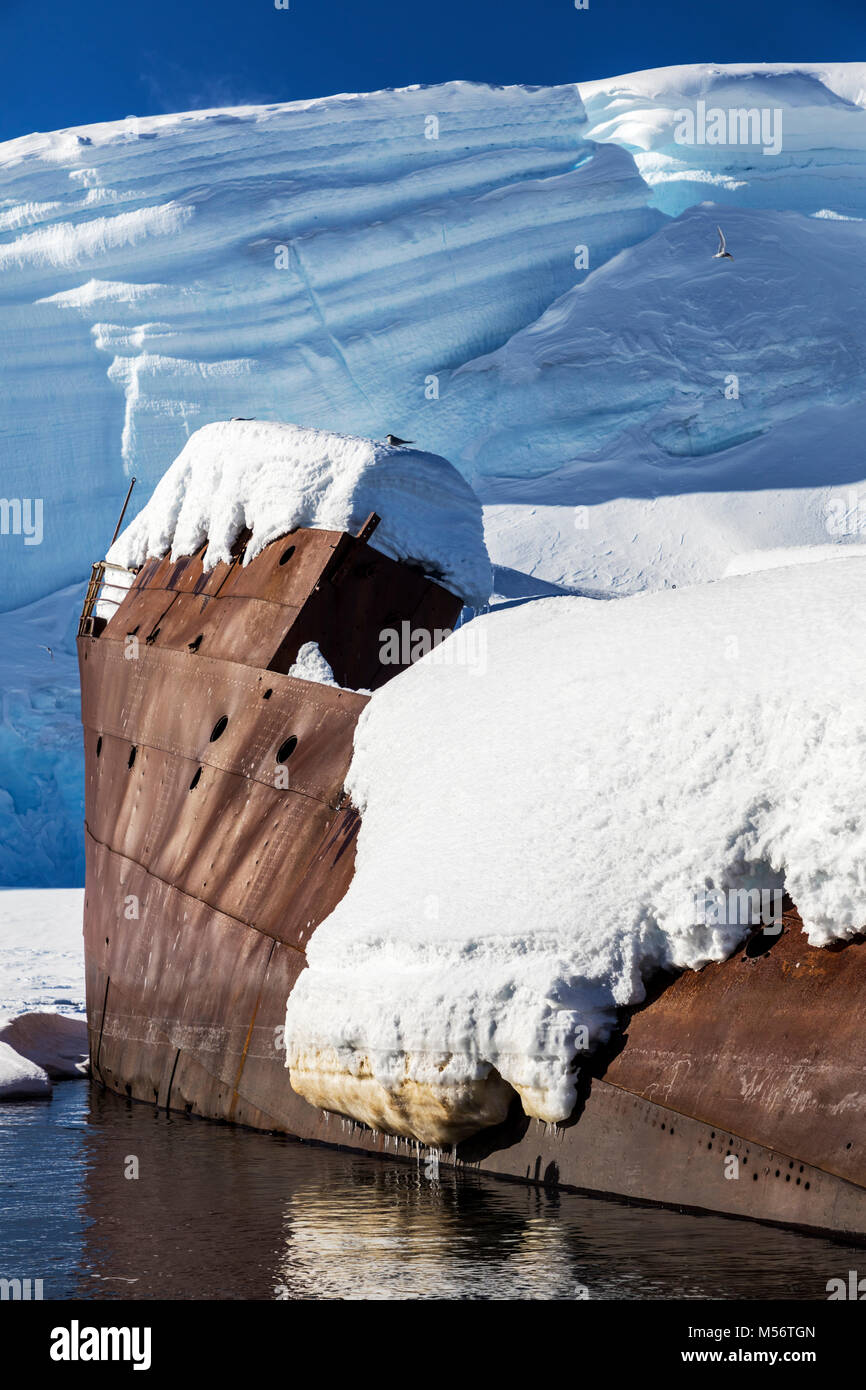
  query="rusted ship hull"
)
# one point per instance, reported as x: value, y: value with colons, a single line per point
x: 207, y: 874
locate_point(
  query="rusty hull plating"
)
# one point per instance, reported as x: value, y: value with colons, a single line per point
x: 206, y: 878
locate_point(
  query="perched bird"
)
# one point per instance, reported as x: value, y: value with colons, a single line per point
x: 244, y: 419
x: 723, y: 254
x: 395, y: 441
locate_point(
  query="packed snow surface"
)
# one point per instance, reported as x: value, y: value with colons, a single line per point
x: 273, y: 477
x: 608, y: 765
x: 41, y: 951
x: 672, y: 410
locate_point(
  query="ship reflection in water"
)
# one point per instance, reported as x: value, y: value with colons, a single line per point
x: 223, y: 1213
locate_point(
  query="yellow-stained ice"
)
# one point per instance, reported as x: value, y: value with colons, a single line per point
x: 435, y: 1113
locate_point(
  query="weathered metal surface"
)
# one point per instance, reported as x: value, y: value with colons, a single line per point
x: 173, y: 702
x: 209, y: 864
x: 321, y: 586
x: 771, y: 1046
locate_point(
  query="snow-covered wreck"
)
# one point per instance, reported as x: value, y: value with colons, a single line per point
x: 510, y: 964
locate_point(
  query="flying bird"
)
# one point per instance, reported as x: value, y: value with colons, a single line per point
x: 395, y: 441
x: 47, y: 649
x: 723, y: 254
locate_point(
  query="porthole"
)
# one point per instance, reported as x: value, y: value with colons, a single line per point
x: 268, y: 693
x: 287, y: 555
x: 196, y: 778
x: 99, y: 745
x: 287, y: 749
x: 132, y: 752
x: 219, y: 728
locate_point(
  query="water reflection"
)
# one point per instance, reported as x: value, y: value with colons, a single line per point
x: 219, y: 1213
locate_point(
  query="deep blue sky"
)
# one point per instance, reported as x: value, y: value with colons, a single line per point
x: 65, y: 63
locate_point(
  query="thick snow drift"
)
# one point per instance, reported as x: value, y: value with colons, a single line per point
x: 272, y: 478
x: 608, y: 765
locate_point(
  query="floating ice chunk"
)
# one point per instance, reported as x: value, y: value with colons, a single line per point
x: 20, y: 1079
x: 54, y: 1042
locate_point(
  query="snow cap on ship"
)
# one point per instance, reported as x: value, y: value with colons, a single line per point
x: 273, y: 477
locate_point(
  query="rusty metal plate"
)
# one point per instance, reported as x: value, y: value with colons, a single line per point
x: 193, y: 1003
x: 770, y: 1047
x: 139, y: 615
x: 184, y: 575
x: 309, y: 586
x: 243, y: 630
x: 158, y: 820
x: 174, y: 702
x: 287, y: 571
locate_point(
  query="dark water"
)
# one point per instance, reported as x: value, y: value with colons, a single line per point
x: 221, y: 1213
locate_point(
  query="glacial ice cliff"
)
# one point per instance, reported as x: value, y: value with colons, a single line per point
x: 520, y: 280
x: 316, y: 261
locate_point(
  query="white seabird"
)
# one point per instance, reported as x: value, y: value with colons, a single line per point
x: 723, y: 253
